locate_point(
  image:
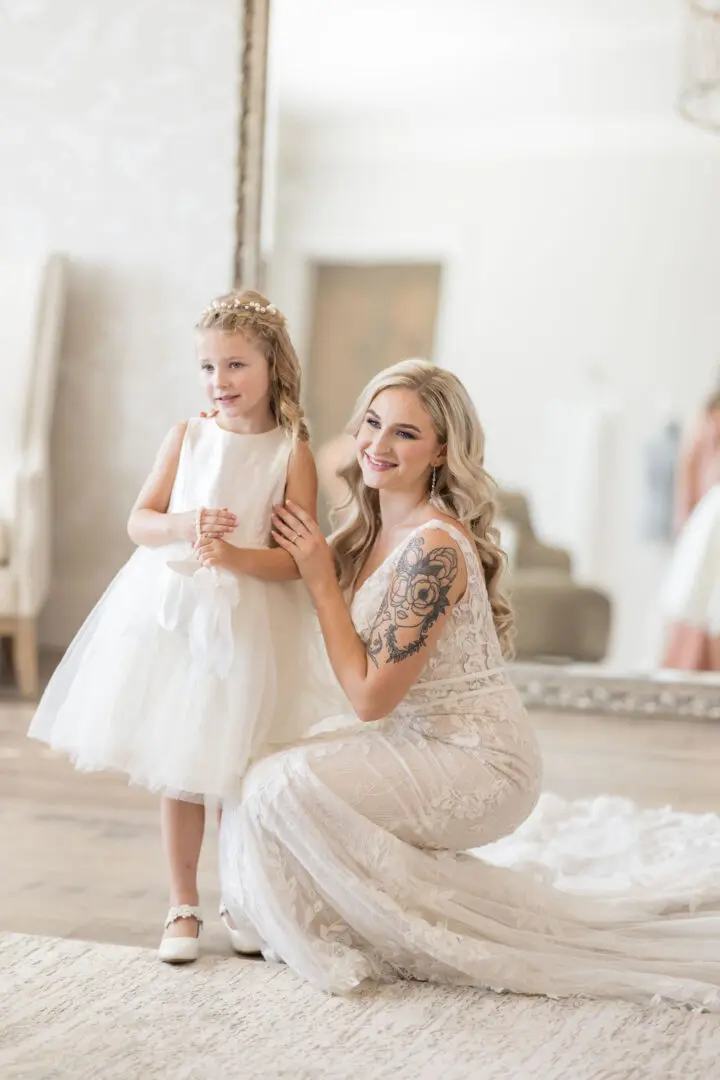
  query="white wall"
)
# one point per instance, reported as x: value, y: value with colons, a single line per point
x: 582, y: 266
x: 118, y: 147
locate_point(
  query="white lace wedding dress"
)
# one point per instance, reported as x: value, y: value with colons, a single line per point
x: 346, y: 851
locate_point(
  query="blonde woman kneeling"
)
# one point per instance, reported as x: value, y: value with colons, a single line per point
x: 345, y: 852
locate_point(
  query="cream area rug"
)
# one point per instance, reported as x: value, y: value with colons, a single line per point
x: 73, y: 1010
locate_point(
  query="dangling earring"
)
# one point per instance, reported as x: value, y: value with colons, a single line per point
x: 433, y: 486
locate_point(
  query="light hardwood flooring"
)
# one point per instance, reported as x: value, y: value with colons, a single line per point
x: 81, y: 857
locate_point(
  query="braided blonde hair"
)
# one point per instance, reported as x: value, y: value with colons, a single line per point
x: 251, y: 314
x: 463, y: 488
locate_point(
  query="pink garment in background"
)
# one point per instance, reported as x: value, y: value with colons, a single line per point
x: 692, y: 648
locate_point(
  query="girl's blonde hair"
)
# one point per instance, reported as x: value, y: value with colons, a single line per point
x: 463, y: 489
x: 251, y: 314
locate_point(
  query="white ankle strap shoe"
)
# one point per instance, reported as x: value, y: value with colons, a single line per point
x: 181, y: 950
x: 243, y: 938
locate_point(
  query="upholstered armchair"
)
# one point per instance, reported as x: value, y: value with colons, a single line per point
x: 32, y: 299
x: 557, y: 618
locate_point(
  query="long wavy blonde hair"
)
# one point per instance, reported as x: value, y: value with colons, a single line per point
x: 463, y: 488
x: 251, y: 314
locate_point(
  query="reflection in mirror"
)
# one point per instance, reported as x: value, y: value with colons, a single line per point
x: 513, y: 195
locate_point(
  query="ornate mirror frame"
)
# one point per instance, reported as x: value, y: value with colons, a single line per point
x: 247, y: 263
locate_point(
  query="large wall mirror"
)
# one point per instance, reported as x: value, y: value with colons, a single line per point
x: 513, y: 194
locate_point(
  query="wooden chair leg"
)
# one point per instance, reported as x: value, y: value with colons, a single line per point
x: 25, y: 656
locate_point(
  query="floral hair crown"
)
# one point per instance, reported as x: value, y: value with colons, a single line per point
x: 241, y: 305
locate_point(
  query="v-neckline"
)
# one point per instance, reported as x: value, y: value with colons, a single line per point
x: 393, y: 553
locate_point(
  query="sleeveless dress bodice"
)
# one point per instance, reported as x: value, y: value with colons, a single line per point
x: 463, y: 694
x: 245, y: 474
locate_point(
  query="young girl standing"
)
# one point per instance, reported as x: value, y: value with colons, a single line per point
x: 188, y: 668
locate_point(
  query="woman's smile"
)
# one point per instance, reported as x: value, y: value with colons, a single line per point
x: 377, y: 464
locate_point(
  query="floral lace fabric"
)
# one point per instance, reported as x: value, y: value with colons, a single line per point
x: 349, y: 852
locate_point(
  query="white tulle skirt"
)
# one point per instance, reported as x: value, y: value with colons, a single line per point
x: 691, y: 593
x: 180, y: 679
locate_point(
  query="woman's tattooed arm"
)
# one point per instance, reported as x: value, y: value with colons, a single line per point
x: 418, y: 595
x: 376, y: 667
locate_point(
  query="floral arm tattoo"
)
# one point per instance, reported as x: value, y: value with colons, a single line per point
x: 417, y: 597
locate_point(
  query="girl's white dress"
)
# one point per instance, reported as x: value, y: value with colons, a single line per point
x: 691, y: 594
x: 182, y: 675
